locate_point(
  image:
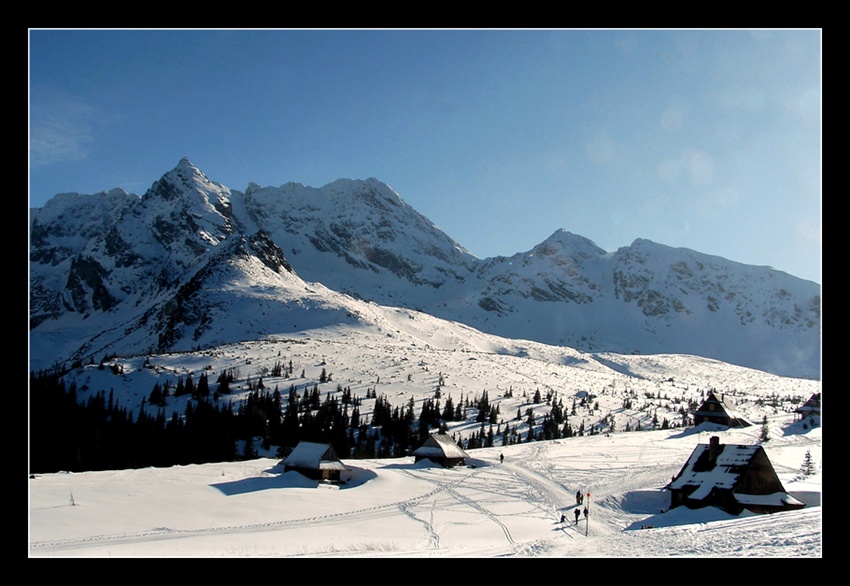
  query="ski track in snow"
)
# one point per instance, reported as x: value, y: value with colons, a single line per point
x: 523, y: 487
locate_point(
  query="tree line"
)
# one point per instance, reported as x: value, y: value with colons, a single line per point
x: 100, y: 434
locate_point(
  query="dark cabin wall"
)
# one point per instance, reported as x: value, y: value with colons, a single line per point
x: 760, y: 477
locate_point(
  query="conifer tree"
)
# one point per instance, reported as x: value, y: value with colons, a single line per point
x: 203, y: 388
x: 808, y: 467
x: 448, y: 409
x: 494, y: 414
x: 155, y: 397
x: 765, y: 433
x: 223, y: 384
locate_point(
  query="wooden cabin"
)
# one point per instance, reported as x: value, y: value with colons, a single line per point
x: 731, y: 478
x: 810, y: 407
x: 314, y: 460
x: 716, y: 410
x: 441, y: 449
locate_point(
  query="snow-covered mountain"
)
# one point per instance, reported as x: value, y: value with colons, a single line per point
x: 193, y: 264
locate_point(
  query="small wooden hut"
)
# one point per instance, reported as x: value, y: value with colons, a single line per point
x: 716, y: 410
x: 810, y: 407
x: 441, y: 449
x: 314, y: 460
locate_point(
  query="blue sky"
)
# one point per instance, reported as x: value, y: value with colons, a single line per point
x: 706, y: 139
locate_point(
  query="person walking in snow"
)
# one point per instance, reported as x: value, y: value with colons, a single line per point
x: 563, y: 518
x: 578, y: 497
x: 577, y: 514
x: 501, y: 458
x: 585, y: 512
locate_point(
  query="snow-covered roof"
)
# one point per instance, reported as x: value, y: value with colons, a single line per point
x: 725, y: 407
x: 730, y: 461
x: 810, y: 406
x: 440, y: 445
x: 313, y: 455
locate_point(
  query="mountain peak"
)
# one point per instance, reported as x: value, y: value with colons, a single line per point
x: 185, y: 179
x: 187, y: 173
x: 562, y: 235
x: 562, y: 240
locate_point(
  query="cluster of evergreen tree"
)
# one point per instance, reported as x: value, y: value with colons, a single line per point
x: 99, y: 434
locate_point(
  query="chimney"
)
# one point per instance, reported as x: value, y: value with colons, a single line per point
x: 713, y: 448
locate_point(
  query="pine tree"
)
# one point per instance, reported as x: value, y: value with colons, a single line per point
x: 203, y: 388
x: 449, y: 409
x: 155, y: 397
x: 808, y: 467
x: 223, y: 383
x: 765, y: 434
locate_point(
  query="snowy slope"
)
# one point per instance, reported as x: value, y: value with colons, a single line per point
x: 398, y: 508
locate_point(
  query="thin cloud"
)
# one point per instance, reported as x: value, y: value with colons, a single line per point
x: 809, y: 231
x: 61, y: 130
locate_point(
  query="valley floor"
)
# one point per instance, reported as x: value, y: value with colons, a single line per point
x: 398, y: 508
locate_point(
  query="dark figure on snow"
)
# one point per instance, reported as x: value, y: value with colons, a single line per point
x: 585, y: 512
x: 563, y: 518
x: 578, y: 497
x: 501, y: 458
x: 577, y: 514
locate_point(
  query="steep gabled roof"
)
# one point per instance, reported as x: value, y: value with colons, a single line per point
x: 313, y: 456
x: 440, y: 445
x: 723, y: 467
x: 731, y: 461
x: 723, y: 409
x: 812, y: 406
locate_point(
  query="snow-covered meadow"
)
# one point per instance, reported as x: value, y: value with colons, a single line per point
x: 399, y: 508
